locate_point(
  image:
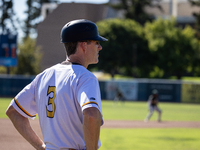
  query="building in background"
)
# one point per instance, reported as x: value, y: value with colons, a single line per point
x: 180, y: 9
x: 57, y: 15
x: 49, y: 30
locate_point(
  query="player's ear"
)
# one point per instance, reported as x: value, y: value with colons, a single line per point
x: 83, y: 46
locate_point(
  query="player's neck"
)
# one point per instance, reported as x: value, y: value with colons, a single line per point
x: 76, y: 60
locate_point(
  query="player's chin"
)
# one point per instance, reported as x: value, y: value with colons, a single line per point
x: 95, y: 62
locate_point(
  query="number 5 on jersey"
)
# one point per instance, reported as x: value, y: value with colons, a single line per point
x: 50, y: 113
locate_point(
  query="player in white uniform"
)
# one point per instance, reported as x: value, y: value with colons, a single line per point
x: 153, y: 106
x: 66, y: 96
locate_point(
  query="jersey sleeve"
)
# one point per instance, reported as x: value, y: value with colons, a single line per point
x: 24, y: 101
x: 89, y: 94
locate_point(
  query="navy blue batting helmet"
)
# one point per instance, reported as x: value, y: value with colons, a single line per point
x: 80, y: 30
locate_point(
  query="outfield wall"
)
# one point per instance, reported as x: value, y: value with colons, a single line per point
x: 11, y: 85
x: 190, y: 92
x: 132, y: 90
x: 140, y: 89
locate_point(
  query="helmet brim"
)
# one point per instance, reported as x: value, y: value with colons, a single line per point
x: 100, y: 38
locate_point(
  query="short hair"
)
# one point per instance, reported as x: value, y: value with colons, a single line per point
x: 70, y: 47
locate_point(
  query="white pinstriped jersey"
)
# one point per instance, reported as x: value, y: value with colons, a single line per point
x: 59, y: 95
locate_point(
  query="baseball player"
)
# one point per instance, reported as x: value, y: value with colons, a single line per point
x: 66, y: 96
x: 153, y: 106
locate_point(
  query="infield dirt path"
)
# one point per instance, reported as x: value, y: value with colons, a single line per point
x: 10, y: 139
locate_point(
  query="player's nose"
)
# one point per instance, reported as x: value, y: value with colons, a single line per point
x: 99, y: 47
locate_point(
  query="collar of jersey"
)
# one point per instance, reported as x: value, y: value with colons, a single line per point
x: 69, y: 63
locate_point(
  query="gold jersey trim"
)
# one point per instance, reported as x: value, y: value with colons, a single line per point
x: 23, y: 108
x: 90, y: 103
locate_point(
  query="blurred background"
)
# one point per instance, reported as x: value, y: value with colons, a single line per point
x: 152, y: 45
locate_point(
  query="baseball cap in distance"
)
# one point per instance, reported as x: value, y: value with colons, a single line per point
x: 80, y: 30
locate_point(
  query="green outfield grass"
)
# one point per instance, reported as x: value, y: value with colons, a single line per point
x: 4, y: 102
x: 136, y: 110
x: 141, y: 138
x: 150, y: 139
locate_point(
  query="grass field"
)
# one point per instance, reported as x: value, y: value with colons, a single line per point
x: 151, y: 139
x: 148, y: 138
x: 137, y: 111
x: 4, y: 102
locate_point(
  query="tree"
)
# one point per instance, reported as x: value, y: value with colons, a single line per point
x: 126, y: 51
x: 7, y: 14
x: 175, y: 50
x: 28, y: 58
x: 135, y: 9
x: 196, y: 15
x: 34, y: 15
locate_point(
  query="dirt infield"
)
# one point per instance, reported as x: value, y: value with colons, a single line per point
x: 10, y: 139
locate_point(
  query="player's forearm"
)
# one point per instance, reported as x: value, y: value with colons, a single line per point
x: 22, y: 125
x: 91, y: 127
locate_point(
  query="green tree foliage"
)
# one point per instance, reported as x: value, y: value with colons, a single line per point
x: 33, y: 15
x: 126, y: 51
x: 7, y: 14
x: 28, y: 58
x: 196, y: 15
x: 176, y: 51
x: 135, y: 9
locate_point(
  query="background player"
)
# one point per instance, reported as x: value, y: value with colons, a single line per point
x: 119, y: 95
x: 153, y: 105
x: 66, y: 96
